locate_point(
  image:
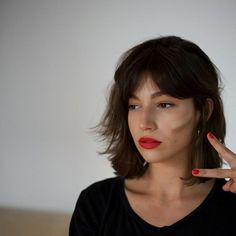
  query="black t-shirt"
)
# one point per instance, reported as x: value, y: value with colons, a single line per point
x: 103, y: 209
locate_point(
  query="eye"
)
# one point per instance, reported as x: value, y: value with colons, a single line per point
x: 165, y: 105
x: 132, y: 107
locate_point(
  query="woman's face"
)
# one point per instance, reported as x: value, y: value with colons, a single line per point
x: 161, y: 125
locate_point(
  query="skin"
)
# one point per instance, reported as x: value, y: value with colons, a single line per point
x: 160, y: 189
x: 230, y: 157
x: 164, y: 118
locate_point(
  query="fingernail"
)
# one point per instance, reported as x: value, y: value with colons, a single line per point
x: 210, y: 135
x: 195, y: 171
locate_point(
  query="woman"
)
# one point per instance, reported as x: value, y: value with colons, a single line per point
x: 161, y: 124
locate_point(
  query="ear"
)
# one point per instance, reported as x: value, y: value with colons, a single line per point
x: 210, y: 105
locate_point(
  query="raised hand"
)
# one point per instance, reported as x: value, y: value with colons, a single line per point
x: 229, y: 156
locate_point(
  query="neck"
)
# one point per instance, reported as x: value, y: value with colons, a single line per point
x: 165, y: 180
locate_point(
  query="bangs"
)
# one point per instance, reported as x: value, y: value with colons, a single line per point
x: 166, y: 68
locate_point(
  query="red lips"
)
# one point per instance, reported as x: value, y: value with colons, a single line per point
x: 149, y: 143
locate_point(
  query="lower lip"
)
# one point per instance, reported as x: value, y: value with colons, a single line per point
x: 149, y: 145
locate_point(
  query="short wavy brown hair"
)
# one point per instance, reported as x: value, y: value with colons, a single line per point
x: 180, y: 69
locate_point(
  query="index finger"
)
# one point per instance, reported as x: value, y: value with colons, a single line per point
x: 223, y: 151
x: 214, y: 173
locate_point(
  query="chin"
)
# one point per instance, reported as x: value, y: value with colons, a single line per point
x: 153, y: 160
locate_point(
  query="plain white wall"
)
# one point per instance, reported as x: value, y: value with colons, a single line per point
x: 57, y: 59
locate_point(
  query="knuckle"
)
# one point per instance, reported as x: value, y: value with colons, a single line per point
x: 223, y: 151
x: 218, y: 172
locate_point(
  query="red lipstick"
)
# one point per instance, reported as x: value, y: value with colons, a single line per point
x: 149, y: 143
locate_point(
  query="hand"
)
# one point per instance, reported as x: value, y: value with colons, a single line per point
x: 229, y: 156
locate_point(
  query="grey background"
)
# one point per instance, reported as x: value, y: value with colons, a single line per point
x: 57, y: 59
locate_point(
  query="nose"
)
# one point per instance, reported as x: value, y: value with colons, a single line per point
x: 148, y: 121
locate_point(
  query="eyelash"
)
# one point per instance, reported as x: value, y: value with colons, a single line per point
x: 166, y: 104
x: 162, y: 105
x: 132, y: 107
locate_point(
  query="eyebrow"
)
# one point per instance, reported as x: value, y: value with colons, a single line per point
x: 154, y: 95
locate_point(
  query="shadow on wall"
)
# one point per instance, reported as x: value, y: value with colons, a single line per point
x: 28, y: 222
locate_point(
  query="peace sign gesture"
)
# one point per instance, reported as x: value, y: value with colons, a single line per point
x: 229, y: 156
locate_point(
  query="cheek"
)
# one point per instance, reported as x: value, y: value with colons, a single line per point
x: 131, y: 124
x: 182, y: 125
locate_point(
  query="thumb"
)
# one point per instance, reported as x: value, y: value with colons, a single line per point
x: 227, y: 186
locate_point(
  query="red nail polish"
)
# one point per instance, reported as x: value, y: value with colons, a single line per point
x: 210, y: 135
x: 195, y: 171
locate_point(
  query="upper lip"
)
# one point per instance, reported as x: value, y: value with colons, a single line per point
x: 148, y: 140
